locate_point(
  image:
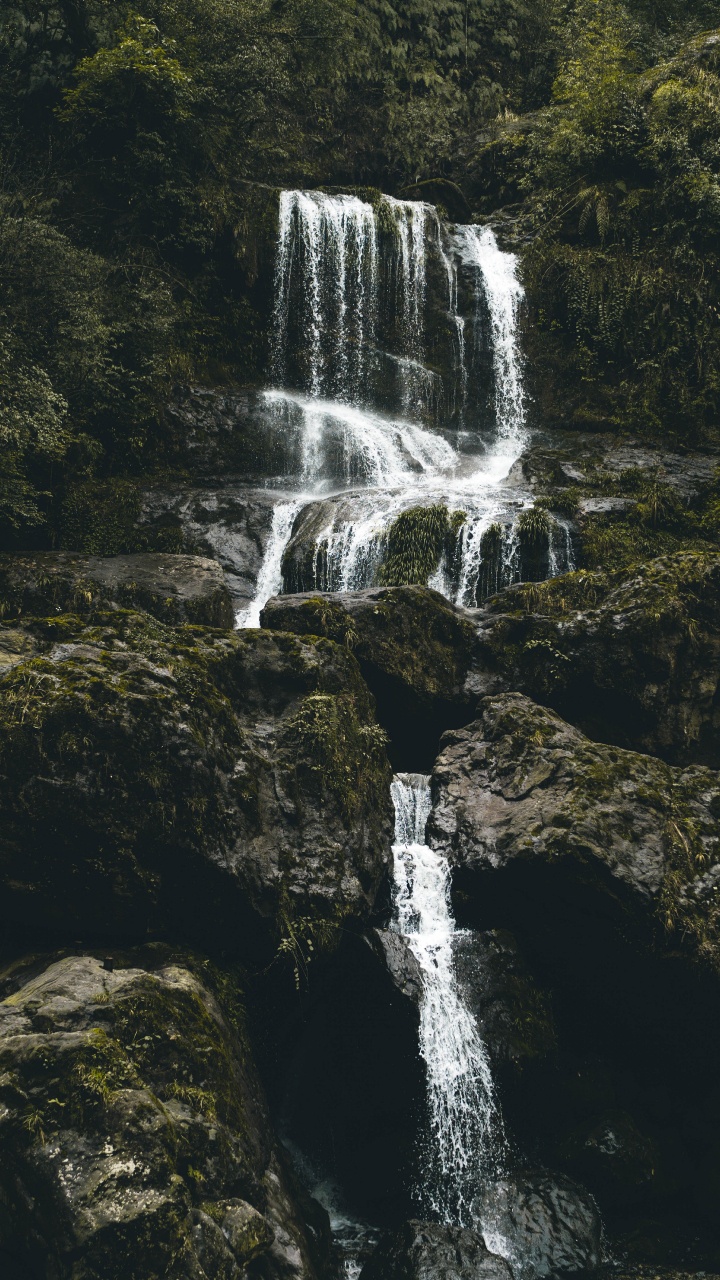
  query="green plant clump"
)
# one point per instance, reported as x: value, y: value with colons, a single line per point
x: 414, y: 545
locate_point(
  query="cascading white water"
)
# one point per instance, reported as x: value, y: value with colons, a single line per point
x: 339, y: 265
x: 504, y: 293
x: 465, y: 1148
x: 270, y: 580
x: 336, y: 240
x: 409, y: 267
x: 457, y: 321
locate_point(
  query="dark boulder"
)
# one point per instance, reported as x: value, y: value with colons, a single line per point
x: 229, y: 523
x: 174, y: 588
x: 394, y: 952
x: 546, y: 1225
x: 136, y: 1138
x: 414, y: 648
x: 603, y: 863
x: 619, y: 1163
x: 512, y: 1010
x: 521, y: 789
x: 189, y: 780
x: 429, y: 1251
x: 631, y: 657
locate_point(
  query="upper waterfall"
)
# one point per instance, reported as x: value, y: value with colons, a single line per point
x: 397, y: 372
x: 372, y: 304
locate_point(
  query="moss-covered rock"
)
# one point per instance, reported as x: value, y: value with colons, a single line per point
x: 414, y: 649
x: 174, y: 588
x: 520, y: 787
x: 631, y: 657
x: 414, y: 545
x: 136, y: 1138
x: 186, y: 779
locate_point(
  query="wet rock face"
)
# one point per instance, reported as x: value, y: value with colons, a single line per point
x: 193, y: 780
x: 579, y: 458
x: 173, y: 588
x: 513, y: 1012
x: 554, y: 1224
x: 632, y: 658
x: 237, y: 433
x: 521, y: 788
x: 136, y: 1138
x: 429, y: 1251
x: 230, y: 523
x: 414, y: 649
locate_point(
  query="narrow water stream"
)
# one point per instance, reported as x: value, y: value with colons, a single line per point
x: 464, y: 1147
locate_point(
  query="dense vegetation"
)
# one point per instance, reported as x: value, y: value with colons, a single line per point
x: 130, y: 143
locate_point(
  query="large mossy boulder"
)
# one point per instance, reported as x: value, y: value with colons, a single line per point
x: 174, y: 588
x: 633, y: 657
x: 605, y: 865
x: 136, y: 1142
x: 185, y: 779
x: 414, y: 648
x: 521, y: 789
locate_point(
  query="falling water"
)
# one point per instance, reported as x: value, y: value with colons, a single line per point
x: 270, y: 581
x: 465, y: 1146
x: 409, y: 270
x: 498, y: 277
x: 340, y: 264
x: 335, y: 240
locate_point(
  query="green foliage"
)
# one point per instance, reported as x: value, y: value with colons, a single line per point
x: 414, y: 544
x: 33, y: 436
x: 328, y: 740
x: 623, y: 176
x: 533, y: 528
x: 139, y: 150
x: 302, y: 937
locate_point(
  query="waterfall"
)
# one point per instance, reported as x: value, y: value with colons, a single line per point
x: 458, y: 322
x: 498, y: 278
x: 270, y: 581
x: 409, y: 268
x: 347, y: 273
x: 465, y: 1147
x: 334, y: 239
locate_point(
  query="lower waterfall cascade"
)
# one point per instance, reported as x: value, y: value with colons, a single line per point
x: 464, y: 1147
x: 380, y: 431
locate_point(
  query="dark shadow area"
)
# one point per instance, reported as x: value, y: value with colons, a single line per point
x: 345, y: 1079
x: 414, y: 728
x: 630, y: 1102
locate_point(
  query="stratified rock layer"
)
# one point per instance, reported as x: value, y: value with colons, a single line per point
x: 174, y: 588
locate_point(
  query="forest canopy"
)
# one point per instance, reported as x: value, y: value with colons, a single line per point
x: 134, y: 139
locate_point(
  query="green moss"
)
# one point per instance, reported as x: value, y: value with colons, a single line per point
x: 605, y: 781
x: 565, y: 502
x: 490, y: 574
x: 328, y: 740
x: 414, y: 545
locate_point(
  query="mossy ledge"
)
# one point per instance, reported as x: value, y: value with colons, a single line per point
x: 154, y: 778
